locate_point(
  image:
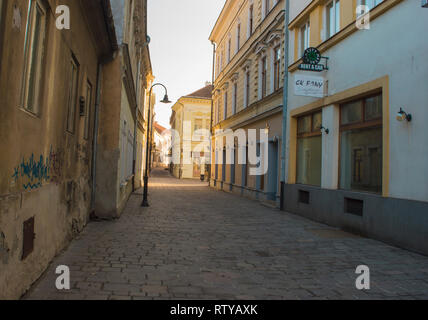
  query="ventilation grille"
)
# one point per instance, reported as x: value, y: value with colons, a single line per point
x: 304, y: 196
x: 354, y: 206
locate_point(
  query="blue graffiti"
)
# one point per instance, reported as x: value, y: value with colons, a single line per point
x: 36, y: 171
x: 30, y: 186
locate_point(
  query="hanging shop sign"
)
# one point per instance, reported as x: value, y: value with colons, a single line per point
x: 309, y: 86
x: 311, y: 61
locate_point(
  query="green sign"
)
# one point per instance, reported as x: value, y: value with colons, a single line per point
x: 311, y: 61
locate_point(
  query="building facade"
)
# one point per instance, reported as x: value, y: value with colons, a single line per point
x: 50, y: 86
x: 248, y: 93
x: 368, y: 173
x: 124, y: 109
x: 162, y: 145
x: 190, y: 125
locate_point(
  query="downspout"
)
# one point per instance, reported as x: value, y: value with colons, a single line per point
x: 134, y: 160
x: 95, y: 139
x: 285, y: 103
x: 212, y: 111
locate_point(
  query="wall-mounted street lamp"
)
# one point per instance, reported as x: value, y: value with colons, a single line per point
x: 402, y: 116
x: 165, y: 99
x: 323, y: 129
x: 267, y: 129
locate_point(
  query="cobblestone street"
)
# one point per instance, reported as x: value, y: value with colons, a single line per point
x: 198, y: 243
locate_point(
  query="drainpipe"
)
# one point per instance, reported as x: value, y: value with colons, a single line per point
x: 212, y: 110
x: 285, y: 103
x: 95, y: 139
x: 134, y: 160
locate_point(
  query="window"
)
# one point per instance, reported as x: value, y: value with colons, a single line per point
x: 309, y: 148
x: 264, y: 76
x: 250, y: 20
x: 333, y: 18
x: 369, y: 3
x: 33, y: 51
x: 304, y: 37
x: 218, y: 111
x: 276, y: 67
x: 198, y: 125
x: 235, y: 97
x: 361, y: 145
x: 225, y: 106
x: 266, y: 7
x: 247, y: 89
x: 88, y: 108
x: 238, y: 37
x: 72, y: 94
x: 229, y: 45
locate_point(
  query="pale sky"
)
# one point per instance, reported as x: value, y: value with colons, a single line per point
x: 180, y: 51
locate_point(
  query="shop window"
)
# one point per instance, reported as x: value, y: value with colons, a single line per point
x: 361, y: 143
x: 309, y: 148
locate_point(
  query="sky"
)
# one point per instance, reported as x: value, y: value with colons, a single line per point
x: 180, y: 51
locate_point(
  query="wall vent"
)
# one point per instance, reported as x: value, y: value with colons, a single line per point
x: 304, y: 196
x: 28, y: 240
x: 354, y: 206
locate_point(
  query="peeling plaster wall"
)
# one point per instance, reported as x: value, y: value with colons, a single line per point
x: 44, y: 170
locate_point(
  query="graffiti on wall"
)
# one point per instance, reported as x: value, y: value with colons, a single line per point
x: 34, y: 171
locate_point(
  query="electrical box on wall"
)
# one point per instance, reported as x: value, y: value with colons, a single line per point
x: 424, y: 3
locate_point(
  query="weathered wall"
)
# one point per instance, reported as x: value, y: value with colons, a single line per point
x: 46, y: 172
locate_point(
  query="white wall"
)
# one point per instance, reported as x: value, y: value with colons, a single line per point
x: 395, y: 46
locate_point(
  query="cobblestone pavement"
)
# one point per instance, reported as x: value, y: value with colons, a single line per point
x: 198, y: 243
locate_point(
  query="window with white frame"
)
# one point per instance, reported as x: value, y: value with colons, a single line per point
x: 33, y: 52
x: 305, y: 31
x: 369, y: 3
x: 276, y: 67
x: 235, y: 97
x: 333, y: 18
x: 250, y: 20
x: 247, y: 88
x: 225, y: 106
x: 238, y: 37
x: 266, y: 7
x: 263, y: 77
x: 229, y: 45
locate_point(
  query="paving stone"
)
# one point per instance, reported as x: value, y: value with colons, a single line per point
x: 194, y: 242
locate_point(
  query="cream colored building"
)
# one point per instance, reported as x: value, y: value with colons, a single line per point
x: 190, y: 125
x: 249, y: 72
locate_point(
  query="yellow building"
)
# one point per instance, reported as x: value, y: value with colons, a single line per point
x: 249, y: 72
x: 190, y: 123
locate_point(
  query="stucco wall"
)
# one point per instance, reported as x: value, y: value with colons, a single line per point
x: 45, y: 172
x: 367, y: 55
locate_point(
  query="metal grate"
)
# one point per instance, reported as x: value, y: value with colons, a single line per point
x: 28, y: 241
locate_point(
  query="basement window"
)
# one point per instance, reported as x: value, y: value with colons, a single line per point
x: 304, y: 196
x: 354, y: 206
